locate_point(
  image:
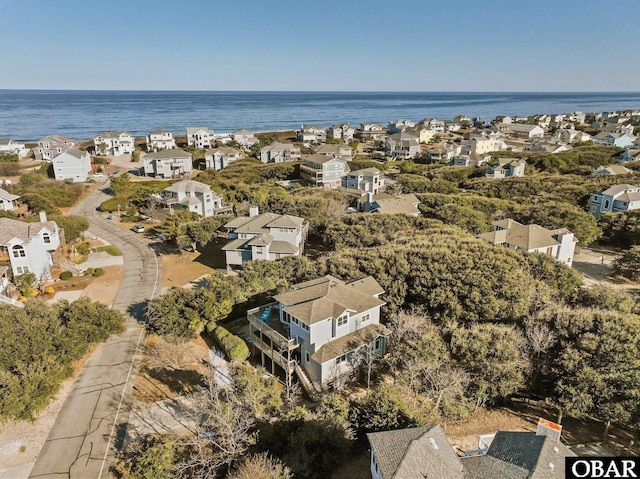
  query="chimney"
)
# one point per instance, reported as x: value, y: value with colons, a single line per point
x: 253, y: 211
x: 369, y: 197
x: 43, y: 216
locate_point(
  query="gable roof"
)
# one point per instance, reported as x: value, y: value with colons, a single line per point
x: 415, y: 453
x: 316, y: 300
x: 616, y: 190
x: 196, y: 129
x: 399, y: 204
x: 527, y: 237
x: 167, y: 154
x: 191, y: 186
x: 7, y: 196
x: 261, y: 223
x: 111, y: 134
x: 10, y: 229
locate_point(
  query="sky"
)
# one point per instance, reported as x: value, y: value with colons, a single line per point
x: 326, y: 45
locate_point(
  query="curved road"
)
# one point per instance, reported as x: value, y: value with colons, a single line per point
x: 94, y: 415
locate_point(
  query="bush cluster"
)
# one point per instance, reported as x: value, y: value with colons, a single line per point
x: 234, y: 347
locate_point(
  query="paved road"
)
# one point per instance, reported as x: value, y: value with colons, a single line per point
x: 81, y: 442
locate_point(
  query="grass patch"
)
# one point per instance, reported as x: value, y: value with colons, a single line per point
x: 109, y: 249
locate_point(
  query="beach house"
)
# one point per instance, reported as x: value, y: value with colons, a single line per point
x: 200, y: 137
x: 160, y: 140
x: 8, y: 146
x: 245, y: 138
x: 193, y: 196
x: 615, y: 199
x: 323, y: 171
x: 278, y: 152
x: 173, y: 163
x: 8, y: 201
x: 402, y: 146
x: 366, y: 180
x: 114, y: 143
x: 72, y: 164
x: 221, y: 157
x: 51, y: 146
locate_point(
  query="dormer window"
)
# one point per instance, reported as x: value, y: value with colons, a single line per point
x: 19, y: 252
x: 46, y: 238
x: 343, y: 320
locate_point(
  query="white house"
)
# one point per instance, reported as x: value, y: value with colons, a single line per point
x: 367, y: 180
x: 190, y: 195
x: 200, y: 137
x: 403, y: 146
x: 114, y: 143
x: 278, y: 152
x: 7, y: 200
x: 323, y: 171
x: 506, y: 168
x: 245, y: 138
x: 266, y: 236
x: 9, y: 146
x: 471, y: 159
x: 73, y: 164
x: 30, y: 247
x: 398, y: 126
x: 344, y: 132
x: 560, y: 244
x: 621, y: 140
x: 160, y: 140
x: 221, y: 157
x: 168, y: 163
x: 616, y: 199
x: 571, y: 136
x: 371, y: 131
x: 333, y: 326
x: 308, y: 134
x: 51, y: 146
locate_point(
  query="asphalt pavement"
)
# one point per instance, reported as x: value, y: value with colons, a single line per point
x: 92, y: 419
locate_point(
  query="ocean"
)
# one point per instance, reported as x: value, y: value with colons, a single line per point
x: 28, y: 115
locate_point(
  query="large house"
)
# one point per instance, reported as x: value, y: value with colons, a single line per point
x: 245, y: 138
x: 322, y: 329
x: 308, y: 134
x: 560, y: 244
x: 30, y: 247
x: 9, y: 146
x: 423, y: 452
x: 506, y: 168
x: 168, y: 163
x: 323, y: 171
x: 200, y: 137
x: 403, y: 146
x: 266, y: 236
x: 73, y: 164
x: 114, y: 143
x: 189, y: 195
x: 160, y: 140
x: 278, y: 152
x: 221, y: 157
x: 571, y: 136
x: 51, y: 146
x: 621, y: 140
x: 344, y: 132
x: 366, y: 180
x: 629, y: 155
x: 616, y: 199
x: 339, y: 151
x: 371, y: 132
x: 398, y: 126
x: 520, y: 130
x: 7, y: 200
x: 384, y: 203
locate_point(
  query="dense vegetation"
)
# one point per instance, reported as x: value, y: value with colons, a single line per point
x: 38, y: 345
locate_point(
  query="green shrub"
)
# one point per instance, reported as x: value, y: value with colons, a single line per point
x: 112, y: 204
x: 110, y: 249
x: 90, y: 271
x: 98, y: 272
x: 234, y: 347
x: 82, y: 248
x: 66, y: 275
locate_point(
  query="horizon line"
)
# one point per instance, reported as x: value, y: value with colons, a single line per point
x: 312, y: 91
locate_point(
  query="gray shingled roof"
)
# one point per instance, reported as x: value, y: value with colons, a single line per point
x: 168, y: 154
x: 10, y: 228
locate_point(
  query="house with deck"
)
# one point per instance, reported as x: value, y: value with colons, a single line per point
x: 615, y: 199
x: 371, y: 132
x: 621, y: 140
x: 266, y: 236
x: 114, y: 143
x: 31, y: 247
x: 174, y: 163
x: 221, y: 157
x: 560, y: 243
x: 517, y: 130
x: 323, y: 171
x: 308, y: 134
x: 193, y: 196
x: 367, y: 180
x: 322, y: 330
x: 73, y: 164
x: 341, y: 131
x: 51, y: 146
x: 403, y: 146
x: 506, y: 168
x: 8, y: 146
x: 629, y: 155
x: 200, y: 137
x: 342, y: 151
x: 160, y: 140
x: 245, y: 138
x: 278, y: 152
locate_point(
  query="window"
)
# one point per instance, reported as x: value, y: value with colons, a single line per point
x: 18, y: 252
x: 342, y: 320
x: 22, y: 269
x: 307, y: 356
x: 341, y: 359
x: 378, y: 344
x: 365, y: 318
x: 606, y: 204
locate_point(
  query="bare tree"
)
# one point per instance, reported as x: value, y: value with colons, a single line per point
x: 261, y: 466
x: 171, y: 352
x: 222, y: 432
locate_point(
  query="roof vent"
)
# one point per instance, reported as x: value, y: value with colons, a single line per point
x: 551, y: 465
x: 555, y: 449
x: 432, y: 441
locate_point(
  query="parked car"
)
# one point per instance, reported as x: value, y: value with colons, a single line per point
x: 138, y: 229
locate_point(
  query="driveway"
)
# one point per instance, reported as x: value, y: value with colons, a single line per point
x: 93, y: 417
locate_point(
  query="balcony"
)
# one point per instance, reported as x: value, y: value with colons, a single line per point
x: 272, y: 337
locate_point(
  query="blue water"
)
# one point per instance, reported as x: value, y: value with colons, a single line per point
x: 32, y: 114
